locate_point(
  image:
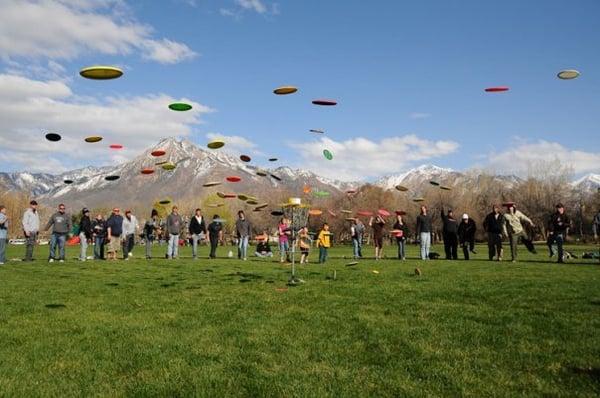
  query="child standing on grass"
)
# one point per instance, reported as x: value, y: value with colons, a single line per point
x: 324, y: 243
x: 305, y: 242
x: 3, y: 234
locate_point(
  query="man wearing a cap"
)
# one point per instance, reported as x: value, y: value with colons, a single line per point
x: 514, y: 221
x: 61, y: 227
x: 114, y: 230
x: 130, y: 228
x: 559, y: 228
x: 466, y: 235
x: 31, y: 228
x: 85, y: 233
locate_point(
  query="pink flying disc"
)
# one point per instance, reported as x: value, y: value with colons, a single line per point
x: 115, y: 146
x: 498, y: 89
x: 233, y: 179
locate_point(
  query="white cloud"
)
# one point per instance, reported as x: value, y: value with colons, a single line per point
x: 361, y: 158
x: 29, y: 108
x: 67, y: 28
x: 522, y: 155
x: 255, y: 5
x: 236, y: 144
x: 419, y: 115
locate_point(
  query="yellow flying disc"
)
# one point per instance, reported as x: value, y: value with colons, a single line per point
x: 93, y: 138
x: 214, y: 205
x: 168, y: 166
x: 211, y: 184
x: 262, y: 206
x: 261, y: 173
x: 568, y: 74
x: 242, y: 197
x: 100, y: 72
x: 284, y: 90
x: 216, y: 144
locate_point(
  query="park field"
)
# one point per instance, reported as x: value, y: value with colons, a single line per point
x: 225, y: 327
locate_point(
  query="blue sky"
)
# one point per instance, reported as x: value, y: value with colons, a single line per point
x: 408, y: 76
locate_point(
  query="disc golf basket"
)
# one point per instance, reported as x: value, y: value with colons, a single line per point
x: 298, y: 216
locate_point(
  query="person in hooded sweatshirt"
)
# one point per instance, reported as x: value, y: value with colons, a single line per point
x: 85, y: 233
x: 450, y: 234
x: 61, y: 228
x: 495, y: 226
x: 466, y: 235
x: 514, y: 221
x: 31, y: 228
x: 215, y: 235
x: 197, y: 229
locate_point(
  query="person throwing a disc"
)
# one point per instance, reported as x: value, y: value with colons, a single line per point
x: 515, y: 221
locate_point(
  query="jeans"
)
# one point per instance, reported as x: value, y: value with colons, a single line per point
x: 2, y: 250
x: 494, y: 245
x: 514, y: 240
x: 195, y: 239
x: 83, y: 245
x: 559, y: 239
x: 30, y: 242
x: 128, y: 243
x: 451, y: 246
x: 173, y: 246
x: 148, y: 246
x: 214, y: 242
x: 322, y: 254
x: 99, y: 248
x: 243, y: 246
x: 59, y: 239
x: 356, y: 245
x: 401, y: 252
x: 284, y: 247
x: 425, y: 245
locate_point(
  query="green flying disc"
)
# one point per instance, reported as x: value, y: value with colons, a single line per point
x: 328, y: 155
x: 180, y: 106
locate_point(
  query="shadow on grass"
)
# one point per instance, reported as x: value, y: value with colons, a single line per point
x: 55, y: 306
x: 591, y: 372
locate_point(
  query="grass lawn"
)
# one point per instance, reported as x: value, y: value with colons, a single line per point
x: 230, y: 328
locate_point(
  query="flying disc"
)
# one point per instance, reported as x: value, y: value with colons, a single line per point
x: 375, y: 271
x: 383, y: 213
x: 346, y: 211
x: 147, y: 171
x: 165, y: 201
x: 99, y: 72
x: 229, y: 196
x: 332, y: 214
x: 242, y: 197
x: 112, y: 178
x: 568, y: 74
x: 180, y: 106
x: 273, y: 159
x: 321, y: 194
x: 261, y: 173
x: 284, y: 90
x: 317, y: 131
x: 364, y: 213
x: 352, y: 264
x: 277, y: 213
x: 158, y: 152
x: 262, y: 206
x: 220, y: 220
x: 350, y: 219
x: 214, y: 205
x: 168, y: 166
x: 418, y: 200
x: 324, y: 102
x: 315, y: 212
x: 351, y: 191
x: 256, y: 210
x: 216, y: 144
x: 251, y: 202
x: 306, y: 189
x: 400, y: 213
x: 401, y: 188
x: 93, y: 138
x: 508, y: 204
x: 183, y: 159
x: 273, y: 176
x: 161, y: 162
x: 397, y: 232
x: 115, y: 146
x: 434, y: 183
x: 498, y: 89
x: 53, y: 137
x: 68, y: 182
x: 245, y: 158
x: 233, y: 179
x: 211, y: 184
x: 445, y: 188
x: 328, y: 155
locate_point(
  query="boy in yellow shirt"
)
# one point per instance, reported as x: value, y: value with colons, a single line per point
x: 323, y: 242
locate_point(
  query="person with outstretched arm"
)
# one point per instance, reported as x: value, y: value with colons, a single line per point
x: 515, y: 221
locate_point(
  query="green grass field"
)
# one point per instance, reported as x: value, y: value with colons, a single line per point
x: 231, y: 328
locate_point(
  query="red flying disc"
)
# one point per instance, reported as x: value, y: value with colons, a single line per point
x: 158, y: 152
x: 398, y: 233
x: 245, y: 158
x: 233, y: 179
x: 324, y: 102
x: 400, y: 213
x: 383, y: 213
x: 229, y: 196
x: 115, y: 146
x: 364, y: 213
x: 147, y: 171
x: 498, y: 89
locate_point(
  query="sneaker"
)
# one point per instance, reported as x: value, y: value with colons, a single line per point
x: 245, y: 259
x: 51, y: 260
x: 126, y: 259
x: 1, y: 263
x: 130, y: 254
x: 61, y: 261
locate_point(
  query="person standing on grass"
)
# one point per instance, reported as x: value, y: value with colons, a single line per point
x: 99, y: 236
x: 359, y: 228
x: 450, y: 234
x: 424, y: 232
x: 3, y: 234
x: 130, y: 229
x: 559, y: 229
x: 114, y: 231
x: 466, y: 235
x: 283, y: 232
x: 304, y: 241
x: 495, y: 226
x: 215, y: 235
x: 61, y: 227
x: 514, y: 221
x: 377, y: 224
x: 151, y: 227
x: 323, y: 243
x: 401, y: 234
x: 31, y: 228
x: 242, y: 230
x: 596, y: 226
x: 174, y: 227
x: 85, y: 233
x: 197, y: 229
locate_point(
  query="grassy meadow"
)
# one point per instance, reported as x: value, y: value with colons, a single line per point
x: 225, y: 327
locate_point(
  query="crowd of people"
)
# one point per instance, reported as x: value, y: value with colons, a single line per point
x: 117, y: 233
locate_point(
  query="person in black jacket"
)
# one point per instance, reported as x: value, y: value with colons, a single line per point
x: 99, y: 235
x: 559, y: 228
x: 215, y: 235
x: 85, y: 233
x: 197, y: 229
x: 466, y: 235
x: 494, y: 225
x: 450, y: 235
x: 400, y: 232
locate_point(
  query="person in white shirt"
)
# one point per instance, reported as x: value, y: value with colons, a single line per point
x: 31, y: 228
x: 130, y: 228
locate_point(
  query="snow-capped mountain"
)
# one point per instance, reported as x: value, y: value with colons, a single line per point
x: 590, y: 182
x: 419, y: 177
